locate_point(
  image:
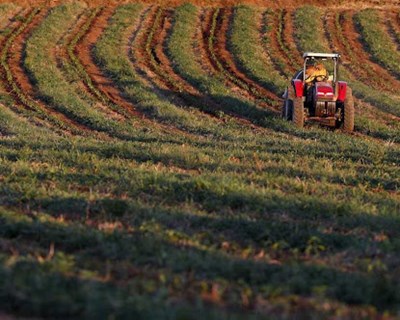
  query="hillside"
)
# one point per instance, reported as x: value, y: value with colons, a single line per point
x: 146, y: 172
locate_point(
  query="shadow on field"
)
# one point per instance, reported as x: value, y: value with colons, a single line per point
x: 143, y: 250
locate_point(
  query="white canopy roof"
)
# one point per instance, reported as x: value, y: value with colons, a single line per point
x: 321, y: 55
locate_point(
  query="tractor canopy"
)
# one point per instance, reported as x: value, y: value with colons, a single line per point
x: 321, y: 67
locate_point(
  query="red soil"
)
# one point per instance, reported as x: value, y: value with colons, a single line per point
x: 159, y: 43
x: 226, y: 58
x: 221, y: 56
x: 99, y: 80
x: 374, y: 70
x: 15, y: 61
x: 222, y: 3
x: 274, y: 46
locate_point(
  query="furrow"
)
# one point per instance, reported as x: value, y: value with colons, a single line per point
x: 96, y: 82
x: 355, y: 50
x: 272, y: 31
x: 222, y: 61
x: 162, y: 65
x: 224, y: 48
x: 18, y: 83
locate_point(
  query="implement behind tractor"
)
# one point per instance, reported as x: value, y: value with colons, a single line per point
x: 315, y: 94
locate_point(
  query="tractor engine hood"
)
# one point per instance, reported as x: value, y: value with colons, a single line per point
x: 324, y: 90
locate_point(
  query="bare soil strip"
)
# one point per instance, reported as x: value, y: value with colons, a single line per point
x: 100, y: 81
x: 360, y: 57
x: 288, y: 38
x: 226, y: 58
x: 138, y: 55
x: 221, y: 60
x: 66, y: 57
x: 17, y: 76
x: 278, y: 52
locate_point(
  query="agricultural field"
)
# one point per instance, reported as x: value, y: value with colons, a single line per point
x: 146, y: 173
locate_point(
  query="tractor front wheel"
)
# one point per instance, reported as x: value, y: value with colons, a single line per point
x: 298, y: 112
x: 348, y: 121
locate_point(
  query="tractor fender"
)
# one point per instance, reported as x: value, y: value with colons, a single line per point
x: 342, y: 90
x: 298, y: 86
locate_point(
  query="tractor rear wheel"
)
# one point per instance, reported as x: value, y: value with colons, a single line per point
x: 348, y: 121
x: 298, y: 112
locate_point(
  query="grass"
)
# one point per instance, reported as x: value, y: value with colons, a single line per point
x: 379, y: 99
x: 245, y: 45
x: 53, y: 88
x: 378, y: 42
x: 181, y: 51
x: 238, y: 222
x: 111, y: 54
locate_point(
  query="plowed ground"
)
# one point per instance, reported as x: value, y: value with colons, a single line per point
x: 159, y: 182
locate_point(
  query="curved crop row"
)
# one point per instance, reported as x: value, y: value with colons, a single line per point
x: 81, y: 70
x: 244, y: 43
x: 216, y: 43
x: 377, y: 41
x: 182, y: 50
x: 51, y: 85
x: 360, y: 90
x: 32, y: 108
x: 341, y: 26
x: 111, y: 53
x: 78, y: 75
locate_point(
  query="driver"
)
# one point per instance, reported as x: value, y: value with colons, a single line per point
x: 316, y: 73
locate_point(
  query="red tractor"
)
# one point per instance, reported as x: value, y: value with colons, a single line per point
x: 315, y: 94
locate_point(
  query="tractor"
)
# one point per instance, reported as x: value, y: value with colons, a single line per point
x: 315, y: 94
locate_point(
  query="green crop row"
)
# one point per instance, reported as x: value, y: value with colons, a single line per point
x: 115, y: 62
x: 34, y: 110
x: 360, y: 90
x: 245, y: 46
x: 240, y: 223
x: 377, y: 41
x: 80, y: 69
x: 221, y: 68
